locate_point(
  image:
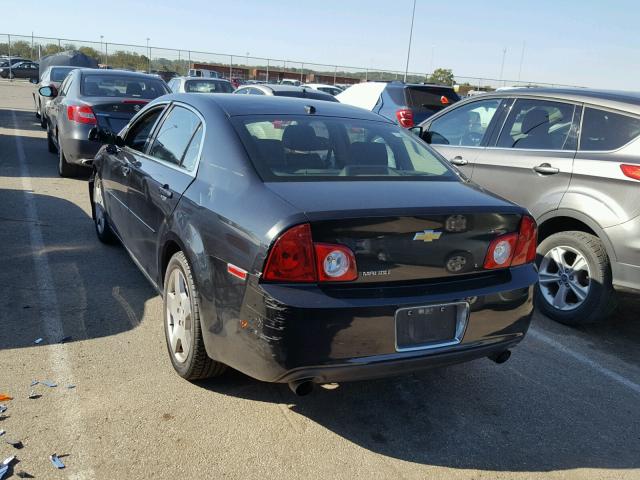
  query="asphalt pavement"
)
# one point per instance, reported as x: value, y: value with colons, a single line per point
x: 566, y: 406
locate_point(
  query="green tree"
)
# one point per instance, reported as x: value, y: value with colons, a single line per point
x: 441, y: 76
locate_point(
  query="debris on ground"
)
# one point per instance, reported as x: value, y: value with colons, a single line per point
x: 17, y: 444
x: 3, y: 408
x: 23, y: 474
x: 34, y: 383
x: 4, y: 396
x: 38, y: 340
x: 5, y: 465
x: 33, y: 395
x: 56, y: 461
x: 2, y: 432
x: 70, y: 386
x: 49, y: 383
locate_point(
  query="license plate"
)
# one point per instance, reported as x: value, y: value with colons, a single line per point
x: 430, y: 326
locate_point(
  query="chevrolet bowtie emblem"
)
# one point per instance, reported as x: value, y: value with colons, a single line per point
x: 427, y: 235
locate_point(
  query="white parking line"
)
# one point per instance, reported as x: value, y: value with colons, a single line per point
x: 585, y: 360
x: 48, y: 307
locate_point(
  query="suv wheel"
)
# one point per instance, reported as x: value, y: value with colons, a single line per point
x: 182, y: 328
x: 575, y: 279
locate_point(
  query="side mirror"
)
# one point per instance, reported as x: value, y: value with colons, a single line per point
x: 48, y: 92
x: 416, y: 131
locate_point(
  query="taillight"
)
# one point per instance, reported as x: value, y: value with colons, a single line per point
x: 444, y: 100
x: 405, y: 117
x: 631, y: 171
x: 81, y: 114
x: 295, y: 258
x: 513, y: 249
x: 335, y: 263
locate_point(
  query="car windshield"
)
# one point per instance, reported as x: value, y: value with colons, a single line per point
x: 59, y: 74
x: 207, y: 86
x: 130, y: 86
x: 292, y: 148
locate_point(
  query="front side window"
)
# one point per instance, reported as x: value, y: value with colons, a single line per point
x: 293, y: 148
x: 465, y: 126
x: 538, y: 125
x: 603, y: 130
x: 123, y: 86
x: 137, y: 136
x: 174, y: 136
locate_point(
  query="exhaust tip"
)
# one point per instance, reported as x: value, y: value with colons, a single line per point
x: 301, y: 387
x: 501, y: 357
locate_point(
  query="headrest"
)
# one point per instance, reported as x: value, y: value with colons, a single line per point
x: 534, y: 119
x: 302, y: 138
x: 134, y: 88
x: 368, y: 153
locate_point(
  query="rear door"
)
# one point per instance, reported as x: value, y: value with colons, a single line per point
x: 461, y: 134
x: 531, y: 161
x: 159, y: 177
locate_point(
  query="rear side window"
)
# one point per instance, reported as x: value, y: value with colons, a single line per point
x: 207, y: 86
x: 174, y: 136
x: 603, y: 130
x: 125, y: 86
x: 430, y: 98
x: 539, y: 125
x: 59, y: 74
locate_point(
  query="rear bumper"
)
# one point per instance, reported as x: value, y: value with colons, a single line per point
x: 78, y: 149
x: 284, y: 332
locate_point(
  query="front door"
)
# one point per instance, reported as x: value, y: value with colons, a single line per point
x: 158, y: 179
x: 461, y: 133
x: 531, y: 161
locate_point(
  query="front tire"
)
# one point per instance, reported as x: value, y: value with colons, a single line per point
x: 100, y: 218
x: 575, y: 279
x: 182, y: 328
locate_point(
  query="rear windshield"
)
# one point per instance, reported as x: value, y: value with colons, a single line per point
x: 59, y: 74
x: 430, y: 98
x: 292, y: 148
x: 207, y: 86
x: 127, y: 86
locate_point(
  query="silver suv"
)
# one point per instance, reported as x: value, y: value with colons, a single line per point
x: 572, y: 157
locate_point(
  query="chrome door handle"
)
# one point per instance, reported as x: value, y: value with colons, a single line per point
x: 165, y: 192
x: 459, y: 161
x: 546, y: 169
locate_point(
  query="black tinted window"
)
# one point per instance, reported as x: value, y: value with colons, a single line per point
x: 539, y: 125
x: 174, y: 136
x: 430, y: 98
x: 464, y: 126
x: 602, y: 130
x: 139, y: 132
x: 207, y: 86
x: 96, y: 85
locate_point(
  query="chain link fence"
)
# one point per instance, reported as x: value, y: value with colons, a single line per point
x: 169, y: 61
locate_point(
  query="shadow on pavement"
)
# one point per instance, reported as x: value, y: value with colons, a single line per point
x: 98, y: 290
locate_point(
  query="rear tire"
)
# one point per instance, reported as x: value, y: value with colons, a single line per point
x: 182, y: 328
x: 575, y: 285
x: 65, y: 169
x: 100, y: 218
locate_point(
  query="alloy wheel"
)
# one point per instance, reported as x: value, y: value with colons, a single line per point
x: 565, y: 278
x: 98, y: 202
x: 178, y: 315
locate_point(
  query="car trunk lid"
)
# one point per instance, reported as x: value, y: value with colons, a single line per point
x: 114, y: 114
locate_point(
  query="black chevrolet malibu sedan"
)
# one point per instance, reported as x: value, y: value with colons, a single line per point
x: 304, y: 241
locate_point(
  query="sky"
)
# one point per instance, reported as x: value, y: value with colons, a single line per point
x: 589, y: 43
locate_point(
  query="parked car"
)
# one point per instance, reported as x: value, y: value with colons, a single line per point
x: 53, y: 77
x: 200, y: 85
x: 407, y: 104
x: 88, y: 98
x: 6, y: 61
x: 337, y: 248
x: 236, y: 82
x: 204, y: 73
x: 28, y: 70
x: 290, y: 81
x: 571, y: 156
x: 284, y: 91
x: 330, y: 89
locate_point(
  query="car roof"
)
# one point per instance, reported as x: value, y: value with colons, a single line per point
x: 115, y: 72
x: 237, y: 105
x: 607, y: 98
x: 203, y: 79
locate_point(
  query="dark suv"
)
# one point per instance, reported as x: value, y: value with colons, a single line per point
x: 407, y: 104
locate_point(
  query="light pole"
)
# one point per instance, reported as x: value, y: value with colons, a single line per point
x: 521, y: 61
x: 504, y: 54
x: 148, y: 56
x: 413, y: 14
x: 101, y: 51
